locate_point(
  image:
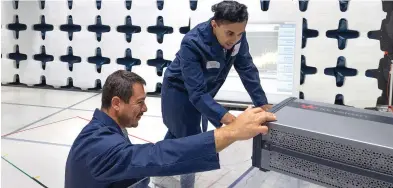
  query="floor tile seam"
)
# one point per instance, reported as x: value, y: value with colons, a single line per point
x: 50, y: 115
x: 36, y: 142
x: 241, y: 177
x: 58, y: 144
x: 32, y: 105
x: 70, y: 118
x: 23, y: 172
x: 65, y: 108
x: 40, y: 126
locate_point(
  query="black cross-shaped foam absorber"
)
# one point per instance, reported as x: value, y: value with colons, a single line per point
x: 158, y: 88
x: 157, y: 91
x: 70, y: 27
x: 98, y: 59
x: 43, y: 57
x: 160, y: 4
x: 375, y: 34
x: 265, y: 5
x: 307, y: 33
x: 344, y: 5
x: 16, y: 4
x: 193, y: 4
x: 69, y: 3
x: 42, y: 4
x: 99, y: 28
x: 185, y: 29
x: 339, y: 100
x: 17, y: 56
x: 128, y: 60
x: 340, y: 71
x: 160, y: 29
x: 128, y: 29
x: 303, y: 4
x: 372, y: 73
x: 159, y: 62
x: 97, y: 87
x: 342, y: 34
x: 305, y: 70
x: 42, y: 83
x: 98, y: 4
x: 70, y: 58
x: 43, y: 27
x: 16, y: 26
x: 301, y: 95
x: 128, y: 4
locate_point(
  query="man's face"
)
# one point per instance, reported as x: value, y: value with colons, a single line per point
x: 129, y: 114
x: 228, y: 34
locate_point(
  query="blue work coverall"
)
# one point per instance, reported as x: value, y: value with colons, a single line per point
x: 195, y: 76
x: 101, y: 156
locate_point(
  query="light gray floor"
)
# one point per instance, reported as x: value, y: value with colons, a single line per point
x: 38, y: 127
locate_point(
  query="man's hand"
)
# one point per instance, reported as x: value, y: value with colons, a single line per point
x: 247, y: 125
x: 228, y: 118
x: 250, y: 123
x: 266, y: 107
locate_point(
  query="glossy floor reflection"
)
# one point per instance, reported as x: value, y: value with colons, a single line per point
x: 38, y: 127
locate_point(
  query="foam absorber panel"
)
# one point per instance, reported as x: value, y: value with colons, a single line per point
x: 79, y: 43
x: 338, y: 51
x: 59, y: 43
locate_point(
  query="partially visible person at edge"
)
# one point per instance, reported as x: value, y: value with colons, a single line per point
x: 102, y: 155
x: 191, y: 81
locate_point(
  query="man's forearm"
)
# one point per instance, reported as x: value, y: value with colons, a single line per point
x: 223, y: 137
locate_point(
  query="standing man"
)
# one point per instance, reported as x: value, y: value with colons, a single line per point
x: 200, y: 68
x: 102, y: 155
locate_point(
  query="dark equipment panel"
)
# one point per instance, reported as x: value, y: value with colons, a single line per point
x: 330, y: 145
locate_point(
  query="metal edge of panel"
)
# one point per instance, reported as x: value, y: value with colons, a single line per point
x: 258, y: 141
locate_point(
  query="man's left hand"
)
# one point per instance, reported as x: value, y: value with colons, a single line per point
x: 266, y: 107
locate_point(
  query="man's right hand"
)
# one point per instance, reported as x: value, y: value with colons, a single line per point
x: 247, y: 125
x: 250, y: 123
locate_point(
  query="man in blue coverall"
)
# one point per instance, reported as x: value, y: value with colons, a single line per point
x: 192, y: 80
x: 103, y: 156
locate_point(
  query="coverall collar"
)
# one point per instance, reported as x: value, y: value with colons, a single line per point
x: 207, y: 33
x: 105, y: 119
x: 210, y: 39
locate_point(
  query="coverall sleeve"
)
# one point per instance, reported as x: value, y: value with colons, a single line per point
x: 110, y: 158
x: 194, y: 81
x: 249, y: 74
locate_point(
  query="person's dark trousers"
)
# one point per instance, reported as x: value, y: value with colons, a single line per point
x: 186, y: 180
x: 181, y: 118
x: 179, y: 115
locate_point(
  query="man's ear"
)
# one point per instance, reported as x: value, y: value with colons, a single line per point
x: 214, y: 23
x: 116, y: 103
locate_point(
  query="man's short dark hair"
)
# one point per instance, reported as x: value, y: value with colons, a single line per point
x: 119, y: 84
x: 230, y: 11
